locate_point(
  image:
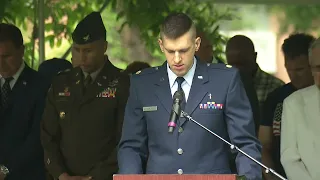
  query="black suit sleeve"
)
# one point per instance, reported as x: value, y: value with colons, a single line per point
x: 29, y: 151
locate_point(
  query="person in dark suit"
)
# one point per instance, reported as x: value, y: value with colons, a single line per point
x: 214, y: 96
x: 22, y: 102
x: 84, y: 112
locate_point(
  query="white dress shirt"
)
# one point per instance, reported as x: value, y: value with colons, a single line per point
x: 186, y: 85
x: 15, y: 76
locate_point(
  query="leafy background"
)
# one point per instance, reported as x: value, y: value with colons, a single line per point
x: 133, y: 25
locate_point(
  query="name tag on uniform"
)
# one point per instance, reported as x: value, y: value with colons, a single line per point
x: 150, y: 108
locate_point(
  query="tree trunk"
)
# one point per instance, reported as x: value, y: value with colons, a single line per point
x: 136, y: 49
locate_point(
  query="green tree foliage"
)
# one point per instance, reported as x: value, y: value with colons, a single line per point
x: 298, y: 17
x: 62, y: 16
x: 149, y: 14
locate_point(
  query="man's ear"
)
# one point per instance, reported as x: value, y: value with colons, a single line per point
x: 198, y: 43
x: 161, y: 45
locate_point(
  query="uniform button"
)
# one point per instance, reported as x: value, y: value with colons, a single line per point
x: 48, y: 161
x: 180, y: 171
x: 180, y: 129
x: 180, y: 151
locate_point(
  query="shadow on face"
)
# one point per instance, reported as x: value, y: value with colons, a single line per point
x: 11, y: 58
x: 240, y: 53
x: 245, y: 61
x: 299, y: 71
x: 89, y: 57
x: 180, y: 52
x: 314, y: 61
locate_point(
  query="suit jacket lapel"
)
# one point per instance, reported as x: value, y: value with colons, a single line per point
x: 20, y: 85
x: 312, y: 107
x: 163, y: 91
x: 198, y: 89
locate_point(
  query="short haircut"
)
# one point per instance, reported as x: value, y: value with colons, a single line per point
x: 297, y: 44
x: 136, y: 66
x: 175, y: 25
x: 240, y: 42
x: 9, y: 32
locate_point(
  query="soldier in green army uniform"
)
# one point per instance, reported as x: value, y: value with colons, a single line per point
x: 84, y: 112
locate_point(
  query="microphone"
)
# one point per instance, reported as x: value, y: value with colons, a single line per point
x: 176, y: 110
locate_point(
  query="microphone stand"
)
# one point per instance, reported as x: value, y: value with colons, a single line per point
x: 267, y: 170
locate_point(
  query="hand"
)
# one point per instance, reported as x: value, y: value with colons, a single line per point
x: 66, y: 176
x: 2, y: 176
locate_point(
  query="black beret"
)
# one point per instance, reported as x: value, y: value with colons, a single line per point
x: 50, y: 68
x: 90, y: 29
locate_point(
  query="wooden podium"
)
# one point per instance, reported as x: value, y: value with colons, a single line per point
x: 177, y: 177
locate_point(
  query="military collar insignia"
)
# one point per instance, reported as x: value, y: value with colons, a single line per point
x: 62, y: 115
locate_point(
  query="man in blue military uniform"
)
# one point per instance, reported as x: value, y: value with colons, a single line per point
x: 214, y: 96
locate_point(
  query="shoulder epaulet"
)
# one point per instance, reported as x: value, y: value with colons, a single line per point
x: 64, y: 71
x: 147, y: 71
x: 219, y: 66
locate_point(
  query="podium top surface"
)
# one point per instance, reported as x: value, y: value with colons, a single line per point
x: 177, y: 177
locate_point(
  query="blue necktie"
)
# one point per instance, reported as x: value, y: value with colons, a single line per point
x: 180, y: 80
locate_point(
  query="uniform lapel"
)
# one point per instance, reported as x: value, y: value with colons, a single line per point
x: 102, y: 81
x: 198, y: 89
x: 76, y: 84
x: 163, y: 91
